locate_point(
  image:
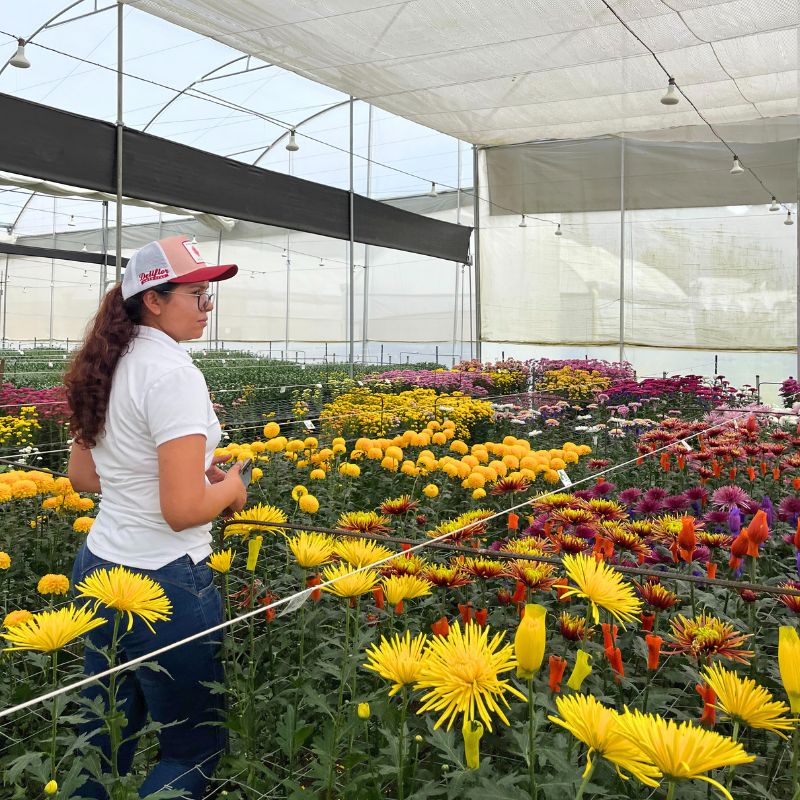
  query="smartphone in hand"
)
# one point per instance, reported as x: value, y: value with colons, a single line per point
x: 246, y: 472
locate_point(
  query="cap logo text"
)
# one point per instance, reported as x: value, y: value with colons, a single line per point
x: 153, y: 275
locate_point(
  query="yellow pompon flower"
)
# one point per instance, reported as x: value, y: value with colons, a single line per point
x: 5, y: 560
x: 261, y: 513
x: 682, y: 751
x: 599, y: 728
x: 298, y: 492
x: 529, y: 641
x: 398, y: 659
x: 221, y: 561
x: 405, y: 587
x: 602, y: 586
x: 789, y: 664
x: 127, y: 592
x: 311, y: 549
x: 51, y: 787
x: 360, y: 552
x: 744, y: 700
x: 472, y: 732
x: 317, y: 474
x: 16, y: 618
x: 431, y: 490
x: 52, y: 630
x: 271, y: 430
x: 363, y: 711
x: 53, y: 584
x: 83, y: 524
x: 462, y: 673
x: 347, y: 583
x: 253, y: 549
x: 308, y: 504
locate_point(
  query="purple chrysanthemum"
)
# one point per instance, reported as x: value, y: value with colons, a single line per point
x: 676, y: 502
x: 655, y: 493
x: 729, y: 497
x: 630, y: 496
x: 789, y: 506
x: 646, y: 506
x: 697, y: 494
x: 716, y: 517
x: 602, y: 489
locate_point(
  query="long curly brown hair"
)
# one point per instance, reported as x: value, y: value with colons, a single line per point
x: 88, y: 379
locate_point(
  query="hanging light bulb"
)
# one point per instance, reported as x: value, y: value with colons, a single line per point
x: 292, y: 145
x: 321, y: 263
x: 252, y: 276
x: 19, y: 59
x: 558, y: 230
x: 85, y: 274
x: 84, y: 249
x: 788, y: 220
x: 71, y: 222
x: 194, y: 239
x: 671, y: 97
x: 737, y: 168
x: 433, y: 192
x: 775, y: 205
x: 523, y: 223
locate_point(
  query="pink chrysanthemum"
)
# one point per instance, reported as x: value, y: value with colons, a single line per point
x: 728, y: 497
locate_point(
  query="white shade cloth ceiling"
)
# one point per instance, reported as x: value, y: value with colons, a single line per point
x: 507, y: 71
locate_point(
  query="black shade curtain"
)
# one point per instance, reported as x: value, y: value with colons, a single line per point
x: 44, y: 142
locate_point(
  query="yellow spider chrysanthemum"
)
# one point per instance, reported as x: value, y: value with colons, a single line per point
x: 398, y: 659
x: 405, y: 587
x: 259, y: 513
x: 360, y: 552
x: 348, y: 583
x: 682, y: 751
x: 127, y: 592
x: 744, y: 700
x: 311, y: 549
x: 221, y: 561
x: 462, y: 673
x: 52, y: 630
x: 602, y: 586
x: 363, y: 522
x: 53, y: 584
x: 598, y: 728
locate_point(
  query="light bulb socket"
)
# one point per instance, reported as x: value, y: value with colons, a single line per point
x: 19, y: 59
x: 671, y: 97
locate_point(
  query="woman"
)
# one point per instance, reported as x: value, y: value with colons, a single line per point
x: 144, y: 435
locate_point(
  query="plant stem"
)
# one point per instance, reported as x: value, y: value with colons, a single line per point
x: 795, y: 760
x: 532, y: 739
x: 401, y: 746
x: 735, y: 737
x: 585, y: 782
x: 671, y: 791
x: 112, y: 720
x: 54, y: 717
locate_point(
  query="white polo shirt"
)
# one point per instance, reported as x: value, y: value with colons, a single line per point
x: 157, y: 394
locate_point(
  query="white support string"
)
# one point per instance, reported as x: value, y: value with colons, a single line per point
x: 295, y: 600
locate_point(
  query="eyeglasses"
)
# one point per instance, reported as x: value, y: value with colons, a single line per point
x: 204, y: 299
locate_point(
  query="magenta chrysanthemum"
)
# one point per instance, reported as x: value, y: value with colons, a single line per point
x: 729, y: 497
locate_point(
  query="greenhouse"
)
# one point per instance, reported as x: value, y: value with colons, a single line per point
x: 470, y: 467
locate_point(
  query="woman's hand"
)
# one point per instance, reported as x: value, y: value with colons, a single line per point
x: 234, y: 475
x: 214, y: 473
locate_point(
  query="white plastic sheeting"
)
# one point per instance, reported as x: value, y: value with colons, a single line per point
x: 505, y: 71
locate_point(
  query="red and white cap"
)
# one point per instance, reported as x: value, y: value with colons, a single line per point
x: 172, y: 260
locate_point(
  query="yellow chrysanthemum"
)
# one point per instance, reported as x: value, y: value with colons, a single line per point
x: 5, y: 560
x: 398, y: 659
x: 127, y: 592
x: 602, y: 586
x: 360, y: 552
x: 260, y: 513
x: 682, y: 751
x: 599, y: 729
x: 363, y: 522
x: 23, y: 489
x: 298, y: 492
x: 83, y: 524
x: 52, y: 630
x: 744, y: 700
x: 311, y: 549
x: 16, y: 618
x: 348, y: 583
x: 405, y: 587
x: 53, y: 584
x: 221, y: 561
x: 462, y: 673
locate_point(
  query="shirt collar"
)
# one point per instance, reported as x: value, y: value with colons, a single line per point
x: 155, y: 335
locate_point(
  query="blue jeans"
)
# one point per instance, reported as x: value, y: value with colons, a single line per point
x: 190, y: 749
